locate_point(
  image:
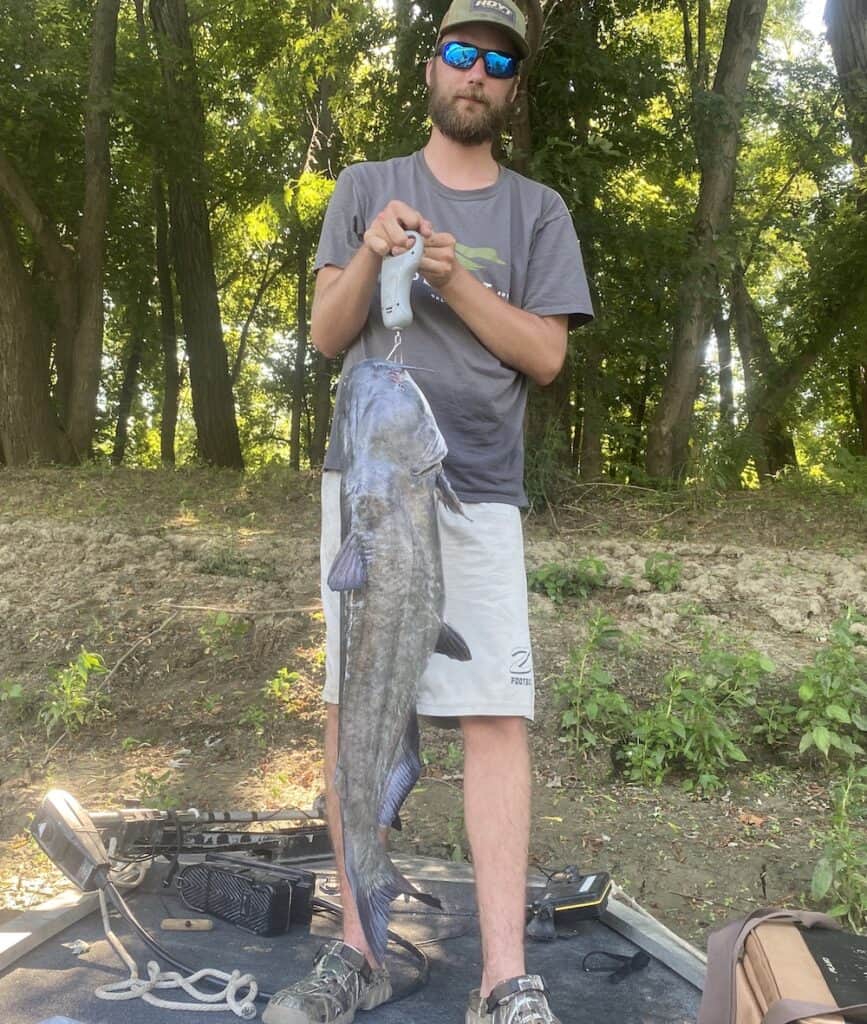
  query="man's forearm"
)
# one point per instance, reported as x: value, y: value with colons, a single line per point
x: 534, y: 345
x: 341, y: 304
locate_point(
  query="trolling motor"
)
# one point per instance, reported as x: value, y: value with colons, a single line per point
x: 67, y: 835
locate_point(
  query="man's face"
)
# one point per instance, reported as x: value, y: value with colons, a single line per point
x: 468, y: 106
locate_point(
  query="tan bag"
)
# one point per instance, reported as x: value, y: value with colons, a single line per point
x: 762, y: 970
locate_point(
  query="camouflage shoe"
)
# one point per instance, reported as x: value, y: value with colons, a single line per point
x: 341, y: 982
x: 521, y: 1000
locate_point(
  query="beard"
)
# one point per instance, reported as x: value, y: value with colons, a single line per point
x: 484, y: 122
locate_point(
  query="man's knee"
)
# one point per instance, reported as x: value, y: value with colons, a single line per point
x: 493, y: 729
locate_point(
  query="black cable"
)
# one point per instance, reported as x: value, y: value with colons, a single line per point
x: 322, y: 904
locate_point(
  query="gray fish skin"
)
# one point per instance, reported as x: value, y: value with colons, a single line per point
x: 389, y: 571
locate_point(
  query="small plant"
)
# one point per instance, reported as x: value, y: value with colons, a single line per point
x: 281, y: 689
x: 256, y: 718
x: 775, y: 721
x: 832, y: 693
x: 155, y: 790
x: 840, y: 877
x: 663, y: 571
x: 697, y: 726
x: 220, y: 632
x: 595, y: 711
x: 12, y: 697
x: 131, y: 743
x: 576, y: 579
x: 69, y: 702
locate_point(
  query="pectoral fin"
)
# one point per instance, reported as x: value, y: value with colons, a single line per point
x: 452, y: 644
x: 349, y: 571
x: 448, y: 497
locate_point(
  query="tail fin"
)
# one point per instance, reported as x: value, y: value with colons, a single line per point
x: 373, y: 894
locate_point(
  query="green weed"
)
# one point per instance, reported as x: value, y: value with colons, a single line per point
x: 256, y: 718
x: 594, y: 711
x: 282, y: 689
x: 155, y: 790
x: 577, y: 579
x: 12, y: 698
x: 840, y: 877
x: 663, y: 571
x: 70, y: 702
x: 220, y: 632
x: 832, y: 693
x: 697, y: 725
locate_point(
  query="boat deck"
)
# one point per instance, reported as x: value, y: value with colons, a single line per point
x: 50, y: 979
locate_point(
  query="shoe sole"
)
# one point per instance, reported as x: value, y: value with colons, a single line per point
x: 286, y: 1015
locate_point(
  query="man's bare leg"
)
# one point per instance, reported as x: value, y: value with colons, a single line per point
x: 497, y: 816
x: 353, y: 933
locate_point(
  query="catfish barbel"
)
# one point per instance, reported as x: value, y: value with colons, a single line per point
x: 389, y: 571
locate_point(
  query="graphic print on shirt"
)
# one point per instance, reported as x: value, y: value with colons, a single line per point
x: 472, y: 258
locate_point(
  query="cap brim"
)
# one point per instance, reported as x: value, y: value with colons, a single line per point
x: 518, y: 40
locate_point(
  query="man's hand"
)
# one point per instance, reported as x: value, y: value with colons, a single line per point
x: 439, y: 264
x: 388, y: 232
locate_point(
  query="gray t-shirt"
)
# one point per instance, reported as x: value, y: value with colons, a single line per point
x: 517, y: 237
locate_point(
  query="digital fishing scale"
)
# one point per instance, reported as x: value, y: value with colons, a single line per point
x: 395, y: 284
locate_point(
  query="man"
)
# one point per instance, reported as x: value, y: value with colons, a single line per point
x: 500, y: 280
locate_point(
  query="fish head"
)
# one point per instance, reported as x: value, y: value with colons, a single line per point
x: 383, y: 412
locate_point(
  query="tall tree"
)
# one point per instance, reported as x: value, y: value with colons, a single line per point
x: 77, y: 275
x: 717, y: 117
x: 847, y: 34
x: 213, y: 402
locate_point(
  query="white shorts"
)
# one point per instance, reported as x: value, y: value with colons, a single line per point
x: 485, y: 601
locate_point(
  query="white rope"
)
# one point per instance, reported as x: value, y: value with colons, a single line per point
x: 230, y: 997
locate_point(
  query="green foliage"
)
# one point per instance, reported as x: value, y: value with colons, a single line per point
x: 594, y: 711
x: 840, y: 877
x: 155, y: 790
x: 255, y: 718
x: 774, y: 726
x: 70, y: 700
x: 663, y: 570
x: 220, y: 633
x: 12, y: 698
x: 281, y: 688
x: 227, y: 562
x: 832, y: 693
x: 576, y: 579
x: 697, y: 724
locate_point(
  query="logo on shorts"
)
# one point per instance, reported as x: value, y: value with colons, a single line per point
x: 521, y: 666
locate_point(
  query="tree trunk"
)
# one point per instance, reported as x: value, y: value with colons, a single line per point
x: 522, y: 146
x: 594, y: 410
x: 638, y: 410
x: 321, y: 408
x: 300, y: 359
x: 213, y: 403
x: 773, y: 446
x: 857, y: 375
x: 722, y: 330
x: 717, y: 117
x: 29, y: 431
x: 847, y: 34
x: 130, y: 376
x: 168, y: 326
x: 87, y: 360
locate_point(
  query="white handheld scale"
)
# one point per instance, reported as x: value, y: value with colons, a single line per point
x: 395, y: 282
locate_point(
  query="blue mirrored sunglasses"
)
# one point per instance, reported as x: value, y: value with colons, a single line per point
x: 465, y: 55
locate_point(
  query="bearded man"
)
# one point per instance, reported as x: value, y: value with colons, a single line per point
x: 500, y: 282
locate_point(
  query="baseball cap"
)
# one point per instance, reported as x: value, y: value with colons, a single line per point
x: 502, y: 13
